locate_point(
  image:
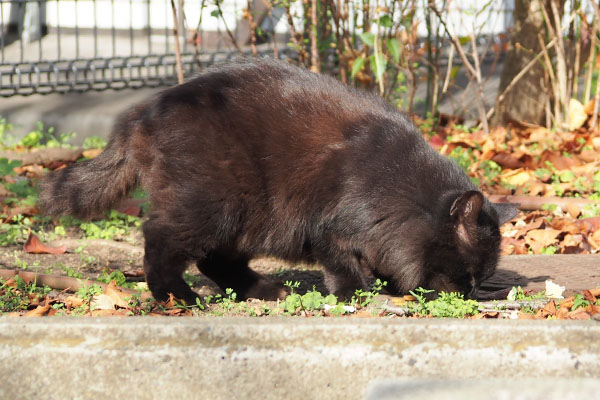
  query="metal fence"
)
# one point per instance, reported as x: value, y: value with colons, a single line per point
x: 78, y: 45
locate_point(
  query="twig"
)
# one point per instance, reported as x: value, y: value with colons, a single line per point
x: 195, y: 37
x: 470, y: 68
x: 270, y: 13
x: 56, y: 281
x: 297, y: 38
x: 532, y: 203
x: 507, y: 305
x: 561, y: 96
x: 379, y: 73
x: 252, y: 24
x: 314, y: 48
x: 594, y: 120
x: 231, y: 37
x: 339, y: 48
x: 400, y: 311
x: 551, y: 75
x: 44, y: 156
x: 177, y: 49
x: 448, y: 70
x: 480, y: 103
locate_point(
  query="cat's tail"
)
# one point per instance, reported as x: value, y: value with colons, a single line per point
x: 87, y: 188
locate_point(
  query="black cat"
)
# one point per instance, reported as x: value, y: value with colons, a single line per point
x: 258, y: 157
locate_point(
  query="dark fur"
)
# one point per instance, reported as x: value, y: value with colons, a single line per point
x: 259, y: 157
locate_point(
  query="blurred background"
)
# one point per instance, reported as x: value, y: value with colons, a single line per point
x: 479, y: 63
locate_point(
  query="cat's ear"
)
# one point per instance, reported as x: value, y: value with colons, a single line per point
x: 465, y: 211
x: 505, y: 211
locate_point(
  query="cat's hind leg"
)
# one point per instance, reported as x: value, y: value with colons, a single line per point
x: 232, y: 272
x: 164, y: 264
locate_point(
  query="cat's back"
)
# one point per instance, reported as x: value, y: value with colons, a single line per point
x: 267, y: 90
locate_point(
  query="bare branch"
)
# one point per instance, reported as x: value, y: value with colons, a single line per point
x: 177, y: 48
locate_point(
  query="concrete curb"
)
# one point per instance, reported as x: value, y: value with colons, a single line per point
x: 489, y: 389
x: 278, y: 358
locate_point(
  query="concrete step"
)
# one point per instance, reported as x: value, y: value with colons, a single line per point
x: 279, y: 358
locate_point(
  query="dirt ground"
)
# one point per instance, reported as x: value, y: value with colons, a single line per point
x: 90, y: 257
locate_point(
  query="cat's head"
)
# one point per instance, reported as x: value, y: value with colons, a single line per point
x: 454, y: 252
x: 465, y: 249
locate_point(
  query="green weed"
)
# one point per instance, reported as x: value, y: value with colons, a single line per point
x: 446, y: 305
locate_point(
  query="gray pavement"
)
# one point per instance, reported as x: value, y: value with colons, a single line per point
x: 488, y: 389
x: 286, y: 358
x: 86, y: 114
x: 576, y: 272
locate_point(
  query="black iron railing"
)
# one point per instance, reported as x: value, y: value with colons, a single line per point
x: 78, y: 45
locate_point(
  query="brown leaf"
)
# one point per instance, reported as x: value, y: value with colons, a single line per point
x: 25, y: 210
x: 130, y: 207
x: 508, y: 160
x: 436, y: 141
x: 562, y: 312
x: 589, y: 106
x: 573, y: 210
x: 588, y: 224
x: 594, y: 240
x: 572, y: 244
x: 116, y: 295
x: 579, y: 314
x: 540, y: 238
x: 136, y: 273
x: 517, y: 177
x: 537, y: 188
x: 549, y: 309
x: 559, y: 161
x: 39, y: 311
x: 523, y: 315
x: 91, y: 153
x: 533, y: 225
x: 174, y: 311
x: 589, y: 296
x: 11, y: 282
x: 172, y: 302
x: 74, y: 302
x: 567, y: 303
x: 35, y: 246
x: 102, y: 302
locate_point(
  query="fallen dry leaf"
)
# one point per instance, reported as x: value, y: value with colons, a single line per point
x: 91, y: 153
x: 117, y: 296
x: 39, y: 311
x: 579, y: 314
x: 74, y: 302
x: 102, y: 302
x: 523, y: 315
x: 35, y: 246
x: 548, y: 310
x: 589, y: 296
x: 573, y: 210
x: 541, y: 238
x: 577, y: 115
x: 517, y: 177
